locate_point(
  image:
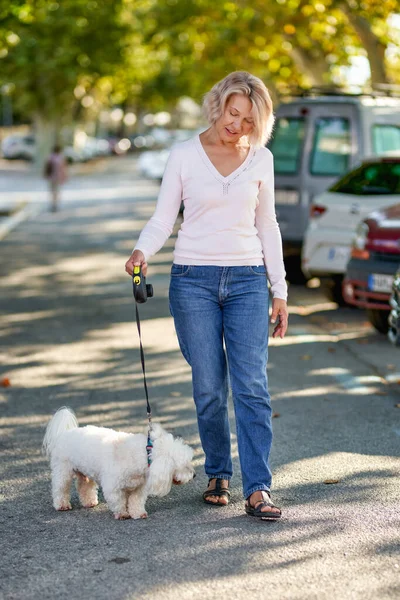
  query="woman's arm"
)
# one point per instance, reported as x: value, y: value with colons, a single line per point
x: 271, y: 240
x: 158, y: 229
x: 269, y: 233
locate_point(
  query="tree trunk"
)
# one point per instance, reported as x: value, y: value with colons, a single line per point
x: 46, y: 135
x: 316, y: 69
x: 374, y: 47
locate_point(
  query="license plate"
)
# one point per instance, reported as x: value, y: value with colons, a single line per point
x: 288, y: 197
x: 338, y: 253
x: 380, y: 283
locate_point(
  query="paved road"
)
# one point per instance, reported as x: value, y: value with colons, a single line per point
x: 68, y: 337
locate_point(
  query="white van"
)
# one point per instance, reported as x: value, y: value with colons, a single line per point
x: 317, y: 139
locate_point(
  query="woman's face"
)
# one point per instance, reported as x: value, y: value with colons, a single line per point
x: 237, y: 120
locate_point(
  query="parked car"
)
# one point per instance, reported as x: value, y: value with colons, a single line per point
x: 23, y: 147
x: 375, y: 259
x: 394, y: 316
x: 153, y: 162
x: 18, y: 147
x: 335, y: 214
x: 318, y: 139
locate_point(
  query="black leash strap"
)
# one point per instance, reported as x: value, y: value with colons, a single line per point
x: 149, y: 445
x: 143, y: 363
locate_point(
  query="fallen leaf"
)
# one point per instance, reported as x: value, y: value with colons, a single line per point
x: 175, y: 394
x: 332, y: 350
x: 363, y: 342
x: 5, y: 382
x: 119, y: 560
x: 330, y: 481
x: 306, y: 357
x: 397, y: 405
x: 276, y: 415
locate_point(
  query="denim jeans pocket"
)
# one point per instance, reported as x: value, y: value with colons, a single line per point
x: 179, y: 270
x: 259, y: 270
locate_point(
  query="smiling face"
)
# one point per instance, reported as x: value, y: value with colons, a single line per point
x: 237, y: 119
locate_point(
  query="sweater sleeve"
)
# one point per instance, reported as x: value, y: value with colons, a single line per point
x: 158, y: 229
x: 269, y: 233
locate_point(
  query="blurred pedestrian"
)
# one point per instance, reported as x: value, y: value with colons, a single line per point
x: 55, y: 171
x: 228, y: 244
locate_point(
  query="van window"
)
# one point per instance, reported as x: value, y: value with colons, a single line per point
x: 385, y: 138
x: 286, y: 145
x: 370, y: 179
x: 331, y: 147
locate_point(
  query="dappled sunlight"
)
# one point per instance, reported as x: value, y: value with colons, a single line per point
x: 120, y: 335
x: 29, y: 316
x: 95, y: 361
x: 342, y: 466
x: 306, y: 392
x: 290, y: 340
x: 312, y: 308
x: 344, y: 382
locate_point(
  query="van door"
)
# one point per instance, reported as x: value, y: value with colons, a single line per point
x: 315, y: 143
x: 287, y: 147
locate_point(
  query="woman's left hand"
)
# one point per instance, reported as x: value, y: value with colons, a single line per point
x: 280, y: 312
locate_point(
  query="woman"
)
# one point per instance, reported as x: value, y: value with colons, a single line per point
x: 227, y: 244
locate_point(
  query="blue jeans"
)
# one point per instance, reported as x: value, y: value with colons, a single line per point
x: 211, y: 305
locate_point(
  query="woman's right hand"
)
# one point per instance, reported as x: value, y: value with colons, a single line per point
x: 136, y: 260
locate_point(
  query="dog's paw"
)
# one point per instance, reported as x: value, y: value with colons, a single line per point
x: 122, y: 516
x: 90, y: 504
x: 141, y: 516
x: 64, y: 506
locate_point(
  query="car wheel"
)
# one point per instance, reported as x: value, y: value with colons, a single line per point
x: 333, y: 289
x: 379, y: 319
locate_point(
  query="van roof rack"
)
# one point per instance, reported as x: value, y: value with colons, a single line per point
x: 377, y: 91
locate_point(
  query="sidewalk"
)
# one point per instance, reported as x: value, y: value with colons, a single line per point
x: 69, y: 338
x: 24, y: 192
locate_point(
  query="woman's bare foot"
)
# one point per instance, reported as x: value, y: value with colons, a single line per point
x: 221, y: 500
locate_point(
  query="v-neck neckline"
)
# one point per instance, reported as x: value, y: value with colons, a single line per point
x: 214, y: 169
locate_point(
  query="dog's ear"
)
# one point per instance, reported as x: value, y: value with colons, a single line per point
x: 159, y: 481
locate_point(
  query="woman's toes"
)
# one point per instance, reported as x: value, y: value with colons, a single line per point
x: 213, y: 499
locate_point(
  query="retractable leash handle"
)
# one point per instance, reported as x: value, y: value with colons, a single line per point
x: 142, y: 291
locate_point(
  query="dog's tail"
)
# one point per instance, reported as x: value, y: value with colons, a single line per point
x: 63, y: 420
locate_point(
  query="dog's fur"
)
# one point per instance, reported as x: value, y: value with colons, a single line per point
x: 114, y: 460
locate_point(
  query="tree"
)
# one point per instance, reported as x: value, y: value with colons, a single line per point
x: 48, y: 48
x: 288, y: 42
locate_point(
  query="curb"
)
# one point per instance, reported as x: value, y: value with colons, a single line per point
x: 18, y: 217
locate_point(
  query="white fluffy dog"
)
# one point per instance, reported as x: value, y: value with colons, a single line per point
x: 114, y: 460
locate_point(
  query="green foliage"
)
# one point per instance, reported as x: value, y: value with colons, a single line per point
x: 47, y: 47
x: 147, y: 53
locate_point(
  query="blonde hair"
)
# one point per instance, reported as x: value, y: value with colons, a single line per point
x: 241, y: 82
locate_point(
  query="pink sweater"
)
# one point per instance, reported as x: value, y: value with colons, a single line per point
x: 228, y: 221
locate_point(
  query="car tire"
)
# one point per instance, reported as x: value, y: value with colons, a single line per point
x: 379, y: 319
x: 333, y: 289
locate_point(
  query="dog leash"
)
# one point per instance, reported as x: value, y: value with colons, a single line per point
x: 142, y: 291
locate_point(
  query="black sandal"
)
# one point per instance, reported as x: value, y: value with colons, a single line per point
x: 217, y: 491
x: 258, y: 512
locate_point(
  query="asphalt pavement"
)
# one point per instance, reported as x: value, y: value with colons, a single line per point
x: 68, y: 337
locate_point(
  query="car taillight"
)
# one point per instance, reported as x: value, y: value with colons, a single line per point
x: 316, y: 210
x: 359, y: 242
